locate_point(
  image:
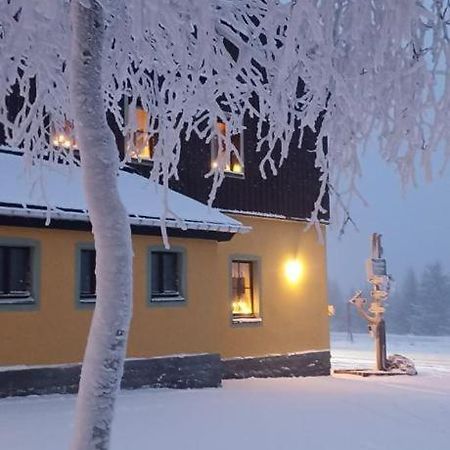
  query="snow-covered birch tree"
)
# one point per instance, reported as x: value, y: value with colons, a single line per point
x: 348, y: 69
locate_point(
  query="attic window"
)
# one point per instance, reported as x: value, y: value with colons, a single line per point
x: 64, y: 137
x: 142, y: 143
x: 232, y: 161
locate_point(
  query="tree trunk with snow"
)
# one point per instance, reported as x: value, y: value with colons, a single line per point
x: 106, y: 348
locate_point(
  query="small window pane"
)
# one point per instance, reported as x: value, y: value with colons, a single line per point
x: 236, y: 166
x: 236, y: 140
x: 242, y: 289
x: 143, y: 142
x: 155, y: 274
x: 2, y: 271
x: 19, y: 271
x: 234, y: 161
x: 87, y: 274
x: 170, y: 275
x: 15, y: 272
x: 64, y: 138
x: 165, y: 274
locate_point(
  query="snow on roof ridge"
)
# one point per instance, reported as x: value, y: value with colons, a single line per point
x: 55, y: 191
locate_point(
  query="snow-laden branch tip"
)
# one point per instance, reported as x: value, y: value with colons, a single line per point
x: 353, y: 67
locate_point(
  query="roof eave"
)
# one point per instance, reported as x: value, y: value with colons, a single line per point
x: 57, y: 214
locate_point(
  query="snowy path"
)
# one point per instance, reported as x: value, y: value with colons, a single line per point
x: 326, y: 413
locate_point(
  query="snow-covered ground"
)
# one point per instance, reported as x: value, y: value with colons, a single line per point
x: 326, y: 413
x: 430, y: 354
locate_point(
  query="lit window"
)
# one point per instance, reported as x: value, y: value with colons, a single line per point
x: 233, y: 163
x: 16, y: 274
x: 87, y: 280
x: 141, y: 146
x: 243, y: 289
x: 166, y: 276
x: 64, y: 137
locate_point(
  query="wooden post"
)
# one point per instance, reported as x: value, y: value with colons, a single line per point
x: 380, y: 345
x: 379, y: 279
x: 377, y: 306
x: 349, y: 323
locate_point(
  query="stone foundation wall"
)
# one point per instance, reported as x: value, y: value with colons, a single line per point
x: 177, y: 372
x: 273, y: 366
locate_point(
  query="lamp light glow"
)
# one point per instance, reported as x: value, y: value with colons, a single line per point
x: 293, y: 271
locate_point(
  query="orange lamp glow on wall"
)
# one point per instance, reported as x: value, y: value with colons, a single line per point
x: 293, y: 271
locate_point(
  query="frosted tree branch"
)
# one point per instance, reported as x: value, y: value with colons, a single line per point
x: 346, y: 69
x: 373, y: 66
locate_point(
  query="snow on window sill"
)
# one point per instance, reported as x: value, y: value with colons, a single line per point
x: 141, y: 161
x: 12, y: 300
x: 167, y: 299
x: 231, y: 174
x: 247, y: 320
x: 88, y: 300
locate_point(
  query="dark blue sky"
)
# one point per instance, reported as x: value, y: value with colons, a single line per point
x: 415, y: 225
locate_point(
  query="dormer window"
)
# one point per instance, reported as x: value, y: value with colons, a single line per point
x: 141, y: 144
x: 232, y: 161
x: 64, y: 137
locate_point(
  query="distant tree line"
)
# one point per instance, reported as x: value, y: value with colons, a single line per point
x: 417, y: 305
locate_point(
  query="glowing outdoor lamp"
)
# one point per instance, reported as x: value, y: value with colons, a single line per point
x: 293, y: 271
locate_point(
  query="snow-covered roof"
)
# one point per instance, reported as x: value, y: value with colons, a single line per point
x: 35, y: 190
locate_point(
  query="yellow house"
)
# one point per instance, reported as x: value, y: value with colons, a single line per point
x: 247, y: 287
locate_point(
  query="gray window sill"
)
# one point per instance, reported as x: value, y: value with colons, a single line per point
x: 87, y: 300
x: 231, y: 174
x: 142, y: 162
x: 167, y: 299
x: 11, y: 300
x: 247, y: 319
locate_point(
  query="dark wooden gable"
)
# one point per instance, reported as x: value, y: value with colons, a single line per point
x: 291, y: 193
